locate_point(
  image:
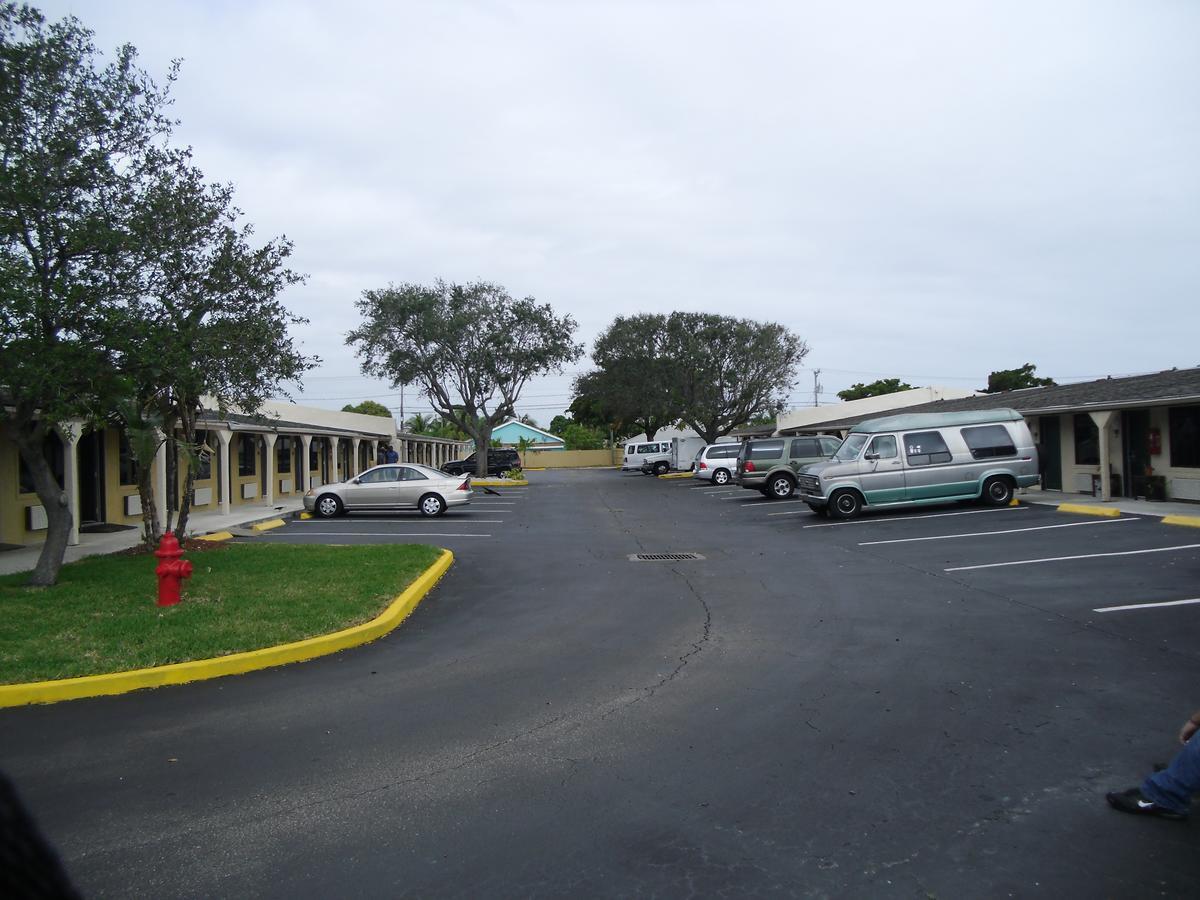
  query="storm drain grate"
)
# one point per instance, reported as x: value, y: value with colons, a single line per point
x: 663, y: 557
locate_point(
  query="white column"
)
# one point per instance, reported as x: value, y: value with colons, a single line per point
x: 374, y: 452
x: 223, y: 438
x: 303, y: 474
x: 354, y: 445
x: 160, y: 478
x: 331, y: 445
x: 1103, y: 420
x: 269, y: 439
x: 70, y: 438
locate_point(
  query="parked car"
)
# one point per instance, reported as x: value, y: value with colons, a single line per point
x: 770, y: 465
x: 635, y: 454
x: 391, y: 487
x: 717, y: 462
x: 921, y: 458
x: 499, y: 460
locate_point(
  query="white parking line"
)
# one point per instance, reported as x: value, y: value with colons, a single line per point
x: 1029, y: 562
x: 344, y: 534
x: 771, y: 502
x: 406, y: 521
x: 950, y: 537
x: 969, y: 512
x: 714, y: 493
x: 796, y: 512
x: 1107, y: 609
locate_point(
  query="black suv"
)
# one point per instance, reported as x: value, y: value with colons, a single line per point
x: 498, y: 461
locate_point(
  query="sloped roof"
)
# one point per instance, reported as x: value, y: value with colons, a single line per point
x: 526, y: 425
x: 1156, y: 389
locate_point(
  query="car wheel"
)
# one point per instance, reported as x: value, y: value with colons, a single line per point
x: 997, y: 491
x: 328, y: 506
x: 819, y: 510
x: 431, y: 505
x: 844, y: 505
x: 780, y: 487
x: 661, y: 468
x: 720, y: 477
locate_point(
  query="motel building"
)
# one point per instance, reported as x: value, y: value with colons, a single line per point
x: 249, y: 462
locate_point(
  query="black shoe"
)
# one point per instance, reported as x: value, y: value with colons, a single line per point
x: 1134, y: 801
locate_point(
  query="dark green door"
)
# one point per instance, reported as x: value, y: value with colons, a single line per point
x: 1050, y: 453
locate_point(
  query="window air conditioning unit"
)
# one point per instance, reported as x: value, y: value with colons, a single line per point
x: 133, y: 505
x: 249, y: 491
x: 35, y: 518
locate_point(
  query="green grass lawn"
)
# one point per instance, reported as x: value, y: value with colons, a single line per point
x: 101, y: 616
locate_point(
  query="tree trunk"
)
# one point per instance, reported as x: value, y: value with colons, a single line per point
x: 483, y: 440
x: 54, y: 500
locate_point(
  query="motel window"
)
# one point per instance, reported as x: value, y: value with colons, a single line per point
x: 1184, y: 423
x: 52, y: 450
x: 128, y: 466
x: 283, y: 455
x: 1087, y: 441
x: 247, y: 454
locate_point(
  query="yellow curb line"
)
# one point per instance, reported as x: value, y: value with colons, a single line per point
x: 216, y: 536
x: 306, y: 515
x: 1189, y: 521
x: 534, y: 469
x: 1014, y: 502
x: 1085, y: 510
x: 677, y: 475
x: 235, y: 663
x: 498, y: 482
x: 268, y: 525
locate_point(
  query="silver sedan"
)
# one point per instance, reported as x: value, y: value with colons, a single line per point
x: 391, y: 487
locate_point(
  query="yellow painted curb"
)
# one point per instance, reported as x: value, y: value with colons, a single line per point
x: 1014, y: 502
x: 216, y: 536
x: 498, y: 482
x: 534, y: 468
x: 1085, y: 510
x: 268, y: 525
x: 235, y: 663
x: 306, y: 516
x: 677, y: 475
x: 1189, y: 521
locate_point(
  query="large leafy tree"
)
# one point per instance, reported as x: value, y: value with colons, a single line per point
x: 874, y: 389
x: 207, y: 323
x: 725, y: 371
x: 1016, y: 379
x: 628, y: 391
x: 79, y: 141
x: 471, y: 348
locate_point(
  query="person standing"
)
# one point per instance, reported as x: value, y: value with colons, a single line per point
x: 1168, y: 793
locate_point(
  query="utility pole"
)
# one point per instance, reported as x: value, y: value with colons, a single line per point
x: 816, y: 387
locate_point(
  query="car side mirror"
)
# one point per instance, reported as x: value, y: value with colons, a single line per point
x: 354, y: 481
x: 871, y: 456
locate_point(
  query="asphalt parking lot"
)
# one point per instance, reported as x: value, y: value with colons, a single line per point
x: 924, y: 703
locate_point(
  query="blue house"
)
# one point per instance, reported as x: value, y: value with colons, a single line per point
x: 507, y: 434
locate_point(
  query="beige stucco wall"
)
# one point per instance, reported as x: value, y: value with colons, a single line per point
x: 571, y: 459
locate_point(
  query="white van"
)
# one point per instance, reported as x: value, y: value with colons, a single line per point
x: 717, y: 462
x: 921, y: 458
x: 635, y: 454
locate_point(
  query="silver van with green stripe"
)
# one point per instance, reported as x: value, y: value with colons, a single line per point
x: 922, y: 458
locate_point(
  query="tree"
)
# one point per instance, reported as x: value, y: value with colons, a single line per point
x: 79, y: 141
x: 368, y: 408
x: 558, y: 423
x: 581, y: 437
x: 418, y: 424
x: 1015, y: 379
x: 523, y: 446
x: 874, y: 389
x: 206, y: 322
x: 529, y: 420
x: 471, y: 348
x: 628, y: 391
x: 725, y: 371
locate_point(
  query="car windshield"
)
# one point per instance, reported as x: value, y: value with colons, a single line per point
x: 850, y: 448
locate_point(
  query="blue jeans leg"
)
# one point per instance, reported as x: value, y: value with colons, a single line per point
x: 1173, y: 787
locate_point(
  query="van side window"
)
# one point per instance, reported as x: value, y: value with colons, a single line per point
x: 926, y: 448
x: 885, y: 447
x: 804, y: 447
x: 989, y: 441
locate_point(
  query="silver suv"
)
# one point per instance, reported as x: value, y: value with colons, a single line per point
x: 771, y: 465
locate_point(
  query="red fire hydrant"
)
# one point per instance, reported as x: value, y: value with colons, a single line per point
x: 171, y: 571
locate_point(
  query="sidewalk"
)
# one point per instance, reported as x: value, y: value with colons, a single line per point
x: 1124, y: 504
x: 24, y: 559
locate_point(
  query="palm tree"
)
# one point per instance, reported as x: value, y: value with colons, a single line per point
x: 418, y: 424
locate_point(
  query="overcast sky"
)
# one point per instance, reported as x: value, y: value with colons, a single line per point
x: 923, y: 190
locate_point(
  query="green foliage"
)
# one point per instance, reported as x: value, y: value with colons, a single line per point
x: 368, y: 408
x: 628, y: 391
x: 524, y: 444
x: 1015, y: 379
x: 581, y: 437
x: 471, y: 348
x: 558, y: 423
x: 527, y: 419
x: 874, y: 389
